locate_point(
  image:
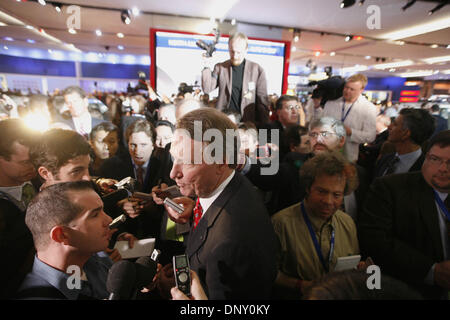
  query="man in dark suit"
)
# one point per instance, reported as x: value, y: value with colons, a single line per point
x: 408, y: 132
x: 232, y: 244
x: 149, y: 166
x: 242, y: 83
x: 441, y: 122
x: 16, y: 191
x: 405, y: 223
x: 78, y: 103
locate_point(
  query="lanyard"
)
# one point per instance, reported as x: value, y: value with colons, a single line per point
x: 442, y: 205
x: 343, y: 117
x: 316, y: 243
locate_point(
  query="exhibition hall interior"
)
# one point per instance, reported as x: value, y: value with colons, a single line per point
x: 315, y: 166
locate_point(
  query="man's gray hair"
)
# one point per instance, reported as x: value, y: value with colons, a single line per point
x: 335, y: 124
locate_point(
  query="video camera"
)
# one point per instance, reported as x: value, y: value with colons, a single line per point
x: 211, y: 46
x: 330, y: 89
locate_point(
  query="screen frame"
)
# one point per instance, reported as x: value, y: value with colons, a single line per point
x: 153, y: 76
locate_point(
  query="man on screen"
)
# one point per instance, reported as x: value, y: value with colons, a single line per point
x: 242, y: 83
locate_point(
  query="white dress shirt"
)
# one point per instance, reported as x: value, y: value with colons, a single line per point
x: 207, y: 202
x: 361, y: 119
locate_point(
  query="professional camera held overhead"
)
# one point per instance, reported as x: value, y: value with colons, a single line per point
x: 209, y: 47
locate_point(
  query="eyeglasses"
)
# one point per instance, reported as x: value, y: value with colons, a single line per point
x: 323, y: 134
x: 292, y: 107
x: 436, y: 161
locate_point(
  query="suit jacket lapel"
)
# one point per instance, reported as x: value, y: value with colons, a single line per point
x: 417, y: 165
x: 229, y: 79
x: 200, y: 234
x: 428, y: 211
x: 245, y: 81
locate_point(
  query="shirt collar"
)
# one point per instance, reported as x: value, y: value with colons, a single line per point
x: 55, y: 277
x: 317, y: 222
x: 207, y: 202
x: 144, y: 166
x: 441, y: 195
x: 16, y: 191
x: 409, y: 156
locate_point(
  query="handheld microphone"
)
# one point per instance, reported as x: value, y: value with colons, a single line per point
x: 121, y: 280
x: 112, y: 198
x: 145, y: 271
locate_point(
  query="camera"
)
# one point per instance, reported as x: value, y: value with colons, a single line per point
x: 211, y: 46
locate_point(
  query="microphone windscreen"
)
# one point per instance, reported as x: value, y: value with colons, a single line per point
x: 121, y: 279
x: 112, y: 198
x: 145, y: 271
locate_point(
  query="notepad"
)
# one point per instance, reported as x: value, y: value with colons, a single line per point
x: 346, y: 263
x: 141, y: 248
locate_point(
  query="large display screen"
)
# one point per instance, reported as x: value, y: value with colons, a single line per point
x: 175, y: 58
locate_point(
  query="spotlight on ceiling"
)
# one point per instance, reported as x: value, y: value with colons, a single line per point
x: 408, y: 4
x: 58, y: 6
x: 98, y: 32
x: 42, y: 2
x: 135, y: 11
x: 348, y: 38
x: 347, y: 3
x: 439, y: 6
x: 125, y: 16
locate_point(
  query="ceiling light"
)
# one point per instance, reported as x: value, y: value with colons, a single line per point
x: 120, y: 35
x: 434, y: 46
x: 356, y: 68
x: 233, y: 22
x: 436, y: 59
x: 135, y: 11
x: 125, y: 16
x: 8, y: 39
x: 439, y: 6
x: 408, y: 4
x: 417, y: 30
x: 120, y: 47
x: 448, y: 47
x: 416, y: 74
x: 347, y: 3
x: 317, y: 53
x: 332, y: 54
x: 42, y: 2
x: 98, y: 32
x: 72, y: 31
x: 58, y: 6
x: 348, y: 38
x: 367, y: 57
x: 394, y: 64
x: 296, y: 38
x: 392, y: 70
x: 29, y: 27
x: 31, y: 41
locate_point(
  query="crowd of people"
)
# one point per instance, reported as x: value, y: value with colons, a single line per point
x: 349, y: 181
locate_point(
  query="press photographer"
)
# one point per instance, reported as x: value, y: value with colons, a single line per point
x: 249, y: 97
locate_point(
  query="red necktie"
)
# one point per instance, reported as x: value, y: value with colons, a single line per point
x: 198, y: 212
